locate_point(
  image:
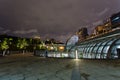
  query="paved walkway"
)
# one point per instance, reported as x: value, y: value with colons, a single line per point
x: 29, y: 67
x: 76, y: 71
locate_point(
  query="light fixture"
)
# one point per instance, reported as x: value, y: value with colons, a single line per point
x: 76, y: 54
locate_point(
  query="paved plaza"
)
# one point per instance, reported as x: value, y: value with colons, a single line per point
x: 29, y: 67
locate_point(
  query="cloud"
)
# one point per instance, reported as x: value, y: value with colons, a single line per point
x: 41, y: 17
x: 64, y: 38
x: 60, y: 37
x: 103, y: 12
x: 4, y: 31
x: 25, y: 31
x: 97, y: 23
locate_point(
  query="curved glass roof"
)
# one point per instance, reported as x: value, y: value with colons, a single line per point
x: 100, y: 48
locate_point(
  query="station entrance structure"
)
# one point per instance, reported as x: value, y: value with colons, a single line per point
x: 106, y: 46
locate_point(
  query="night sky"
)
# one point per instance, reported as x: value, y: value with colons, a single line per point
x: 57, y: 19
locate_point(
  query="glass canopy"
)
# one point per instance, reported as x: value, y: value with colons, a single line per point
x: 99, y: 48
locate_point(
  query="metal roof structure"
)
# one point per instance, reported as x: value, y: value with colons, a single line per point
x: 106, y: 46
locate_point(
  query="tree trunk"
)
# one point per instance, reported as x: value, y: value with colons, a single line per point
x: 4, y: 51
x: 23, y: 51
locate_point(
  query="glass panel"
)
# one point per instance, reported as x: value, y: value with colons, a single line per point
x: 118, y: 42
x: 104, y: 43
x: 96, y: 47
x: 84, y: 48
x: 98, y: 56
x: 106, y: 48
x: 81, y: 49
x: 91, y: 47
x: 90, y: 50
x: 118, y: 46
x: 93, y: 55
x: 89, y: 55
x: 114, y: 49
x: 87, y: 47
x: 109, y: 43
x: 100, y: 49
x: 104, y: 56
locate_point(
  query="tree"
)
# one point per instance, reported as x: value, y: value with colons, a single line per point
x: 4, y: 45
x: 31, y: 45
x: 22, y: 44
x: 41, y: 46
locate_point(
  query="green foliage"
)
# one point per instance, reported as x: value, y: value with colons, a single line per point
x: 30, y: 41
x: 10, y: 41
x: 41, y: 46
x: 4, y: 44
x: 22, y: 43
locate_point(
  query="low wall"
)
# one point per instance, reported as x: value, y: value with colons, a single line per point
x: 50, y: 53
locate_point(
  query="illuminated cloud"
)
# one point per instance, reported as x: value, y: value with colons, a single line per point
x: 103, y: 12
x: 4, y: 31
x: 25, y: 31
x: 98, y: 23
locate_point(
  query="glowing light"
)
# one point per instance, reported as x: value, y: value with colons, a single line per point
x: 61, y: 48
x: 47, y: 47
x: 51, y: 48
x: 118, y: 46
x: 36, y: 37
x: 76, y: 54
x: 116, y: 18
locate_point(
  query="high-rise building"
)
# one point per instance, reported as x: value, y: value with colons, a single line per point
x: 82, y: 33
